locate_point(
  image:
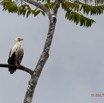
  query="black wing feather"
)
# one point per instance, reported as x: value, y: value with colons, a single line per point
x: 22, y: 56
x: 11, y: 60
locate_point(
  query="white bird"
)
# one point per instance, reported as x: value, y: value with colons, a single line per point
x: 15, y: 55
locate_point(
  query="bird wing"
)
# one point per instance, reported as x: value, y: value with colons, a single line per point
x: 20, y: 55
x: 11, y: 58
x: 22, y: 51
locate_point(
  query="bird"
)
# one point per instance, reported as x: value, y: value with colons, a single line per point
x: 15, y: 55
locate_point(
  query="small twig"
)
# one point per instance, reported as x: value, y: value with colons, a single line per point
x: 20, y: 67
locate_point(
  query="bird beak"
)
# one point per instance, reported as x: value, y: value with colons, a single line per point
x: 21, y: 39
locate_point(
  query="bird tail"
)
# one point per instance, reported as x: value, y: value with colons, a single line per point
x: 12, y: 70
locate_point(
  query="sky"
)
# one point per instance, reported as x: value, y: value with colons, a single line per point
x: 74, y: 71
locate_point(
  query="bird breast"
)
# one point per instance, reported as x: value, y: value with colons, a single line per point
x: 17, y: 48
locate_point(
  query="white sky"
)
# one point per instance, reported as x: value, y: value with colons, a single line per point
x: 74, y: 70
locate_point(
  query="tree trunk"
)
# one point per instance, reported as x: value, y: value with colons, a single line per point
x: 45, y: 54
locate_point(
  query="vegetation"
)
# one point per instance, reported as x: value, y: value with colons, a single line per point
x: 74, y: 9
x: 77, y: 11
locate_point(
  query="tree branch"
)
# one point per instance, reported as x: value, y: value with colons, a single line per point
x: 20, y: 67
x: 43, y: 58
x: 55, y: 8
x: 40, y: 6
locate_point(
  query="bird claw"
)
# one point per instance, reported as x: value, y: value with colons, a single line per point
x: 17, y: 65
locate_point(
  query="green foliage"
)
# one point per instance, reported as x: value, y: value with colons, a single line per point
x: 49, y: 4
x: 79, y: 18
x: 90, y: 9
x: 97, y: 2
x: 24, y: 9
x: 73, y: 8
x: 93, y: 10
x: 10, y: 6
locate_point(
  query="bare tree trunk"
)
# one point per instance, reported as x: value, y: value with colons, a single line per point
x: 45, y: 54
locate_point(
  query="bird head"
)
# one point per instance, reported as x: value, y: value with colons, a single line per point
x: 19, y: 39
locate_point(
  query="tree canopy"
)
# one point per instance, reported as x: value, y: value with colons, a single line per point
x: 75, y: 10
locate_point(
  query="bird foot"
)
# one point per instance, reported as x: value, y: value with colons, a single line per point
x: 17, y: 65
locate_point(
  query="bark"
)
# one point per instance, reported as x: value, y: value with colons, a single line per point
x: 45, y: 54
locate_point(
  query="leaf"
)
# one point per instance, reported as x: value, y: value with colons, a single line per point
x: 42, y: 12
x: 48, y: 2
x: 28, y: 13
x: 37, y: 12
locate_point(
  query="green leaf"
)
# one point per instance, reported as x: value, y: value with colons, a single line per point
x: 36, y: 12
x: 28, y: 13
x: 42, y: 12
x: 48, y: 2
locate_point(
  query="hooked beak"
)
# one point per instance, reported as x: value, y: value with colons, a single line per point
x: 21, y: 39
